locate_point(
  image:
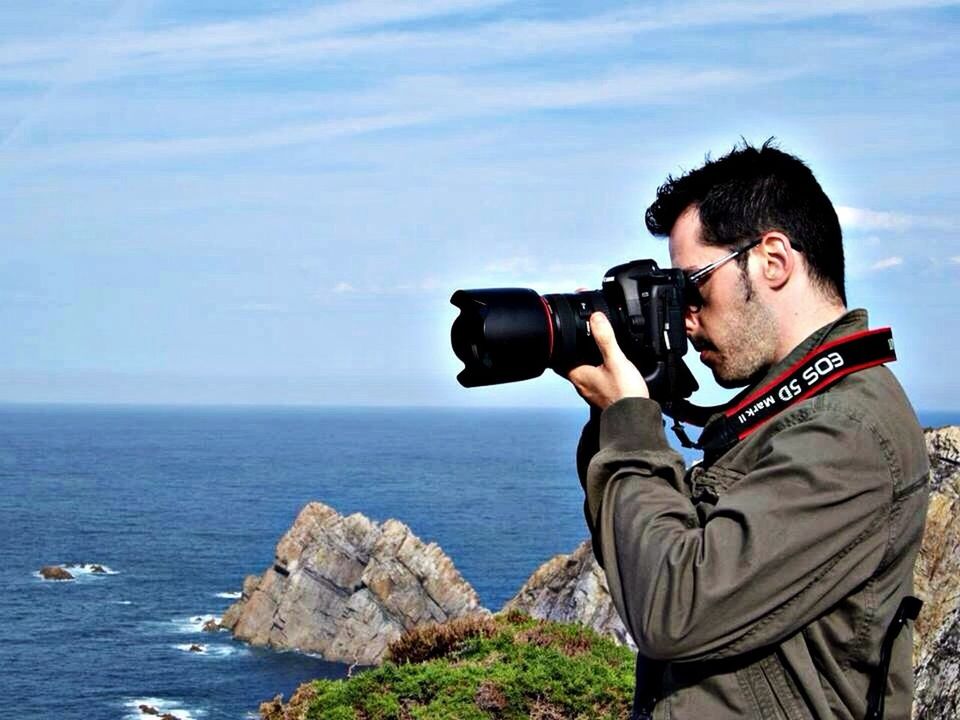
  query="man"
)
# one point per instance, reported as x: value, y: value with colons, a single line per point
x: 762, y: 582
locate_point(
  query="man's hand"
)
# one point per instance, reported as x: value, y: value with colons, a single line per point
x: 616, y: 378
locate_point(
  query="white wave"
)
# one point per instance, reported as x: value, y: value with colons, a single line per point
x: 162, y: 706
x: 194, y: 623
x: 230, y: 595
x: 214, y: 651
x: 81, y: 571
x: 89, y: 569
x: 121, y: 602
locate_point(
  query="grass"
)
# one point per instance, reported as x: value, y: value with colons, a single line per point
x: 506, y: 667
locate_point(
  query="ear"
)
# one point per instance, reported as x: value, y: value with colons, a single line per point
x: 778, y: 261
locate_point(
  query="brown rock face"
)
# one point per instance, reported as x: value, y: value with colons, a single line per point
x: 572, y: 588
x: 53, y: 572
x: 345, y: 587
x: 936, y: 641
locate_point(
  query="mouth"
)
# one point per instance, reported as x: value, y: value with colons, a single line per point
x: 700, y: 344
x: 704, y: 347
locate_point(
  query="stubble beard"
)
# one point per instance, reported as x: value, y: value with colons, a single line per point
x: 749, y: 344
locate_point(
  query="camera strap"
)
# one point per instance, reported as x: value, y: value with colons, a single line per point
x: 809, y: 376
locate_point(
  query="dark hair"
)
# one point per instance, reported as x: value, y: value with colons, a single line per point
x: 750, y: 191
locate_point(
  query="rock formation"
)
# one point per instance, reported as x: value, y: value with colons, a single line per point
x: 150, y: 710
x: 937, y: 580
x: 572, y: 588
x: 345, y: 587
x: 54, y: 572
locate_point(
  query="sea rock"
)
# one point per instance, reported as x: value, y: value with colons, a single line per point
x: 345, y: 587
x: 196, y: 648
x: 211, y: 626
x: 54, y: 572
x: 98, y: 569
x: 572, y: 588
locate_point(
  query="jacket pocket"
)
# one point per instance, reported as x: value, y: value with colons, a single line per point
x: 707, y: 486
x: 771, y: 692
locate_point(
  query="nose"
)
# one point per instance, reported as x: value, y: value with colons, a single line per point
x: 691, y: 321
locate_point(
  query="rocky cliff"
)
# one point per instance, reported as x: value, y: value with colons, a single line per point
x: 937, y: 579
x: 345, y: 587
x: 572, y: 588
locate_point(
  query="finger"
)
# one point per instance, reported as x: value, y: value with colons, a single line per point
x: 604, y: 336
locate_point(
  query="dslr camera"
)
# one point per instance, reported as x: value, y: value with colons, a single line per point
x: 509, y: 334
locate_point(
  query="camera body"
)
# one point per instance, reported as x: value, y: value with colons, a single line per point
x: 510, y: 334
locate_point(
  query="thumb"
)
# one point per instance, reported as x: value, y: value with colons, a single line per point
x: 604, y: 336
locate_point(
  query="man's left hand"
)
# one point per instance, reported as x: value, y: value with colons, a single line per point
x: 616, y: 378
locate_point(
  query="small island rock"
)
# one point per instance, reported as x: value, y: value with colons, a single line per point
x: 54, y: 572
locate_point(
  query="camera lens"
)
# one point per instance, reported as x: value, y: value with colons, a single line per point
x: 501, y: 335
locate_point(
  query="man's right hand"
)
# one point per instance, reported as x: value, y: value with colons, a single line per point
x: 614, y: 379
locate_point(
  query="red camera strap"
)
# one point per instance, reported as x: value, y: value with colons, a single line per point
x: 810, y: 375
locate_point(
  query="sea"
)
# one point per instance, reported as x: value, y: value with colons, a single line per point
x: 178, y: 504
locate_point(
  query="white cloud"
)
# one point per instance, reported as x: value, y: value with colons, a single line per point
x: 349, y: 28
x: 887, y: 263
x: 344, y: 287
x: 955, y: 259
x: 446, y: 98
x: 863, y: 219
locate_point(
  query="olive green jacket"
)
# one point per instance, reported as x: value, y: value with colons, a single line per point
x: 767, y: 580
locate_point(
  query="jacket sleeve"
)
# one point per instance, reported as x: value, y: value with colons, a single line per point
x: 784, y: 543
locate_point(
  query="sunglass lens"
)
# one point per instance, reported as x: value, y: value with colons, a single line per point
x: 693, y: 297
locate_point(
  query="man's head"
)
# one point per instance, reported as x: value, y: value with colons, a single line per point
x: 759, y: 304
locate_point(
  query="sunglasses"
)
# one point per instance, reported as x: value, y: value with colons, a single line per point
x: 696, y: 278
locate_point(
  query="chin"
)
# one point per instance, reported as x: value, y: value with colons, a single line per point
x: 725, y: 381
x: 730, y: 383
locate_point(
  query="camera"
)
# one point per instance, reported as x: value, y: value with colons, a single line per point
x: 510, y: 334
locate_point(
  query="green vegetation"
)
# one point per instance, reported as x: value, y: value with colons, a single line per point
x: 506, y: 667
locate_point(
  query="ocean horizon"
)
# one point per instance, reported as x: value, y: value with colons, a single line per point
x: 179, y: 503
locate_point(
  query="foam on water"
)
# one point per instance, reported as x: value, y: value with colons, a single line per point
x: 193, y: 624
x: 81, y: 571
x: 214, y: 651
x: 162, y: 706
x: 230, y: 595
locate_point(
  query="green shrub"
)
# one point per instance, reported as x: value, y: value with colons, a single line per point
x: 505, y: 668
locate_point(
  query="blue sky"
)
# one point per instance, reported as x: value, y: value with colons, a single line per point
x: 209, y: 202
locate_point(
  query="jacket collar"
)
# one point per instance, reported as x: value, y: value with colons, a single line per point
x: 847, y: 324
